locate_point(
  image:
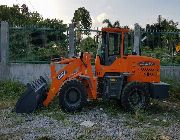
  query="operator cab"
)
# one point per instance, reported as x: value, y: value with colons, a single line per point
x: 112, y: 45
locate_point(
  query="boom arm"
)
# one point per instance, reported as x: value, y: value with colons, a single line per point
x: 79, y: 68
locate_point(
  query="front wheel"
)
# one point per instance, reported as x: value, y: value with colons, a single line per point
x: 72, y: 96
x: 134, y: 96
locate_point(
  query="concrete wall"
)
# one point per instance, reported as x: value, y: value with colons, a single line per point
x: 28, y: 72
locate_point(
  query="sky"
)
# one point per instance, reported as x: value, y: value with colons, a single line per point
x: 128, y: 12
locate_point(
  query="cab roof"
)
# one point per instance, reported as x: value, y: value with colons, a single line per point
x: 115, y: 30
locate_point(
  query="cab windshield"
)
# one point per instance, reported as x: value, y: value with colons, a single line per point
x: 109, y: 45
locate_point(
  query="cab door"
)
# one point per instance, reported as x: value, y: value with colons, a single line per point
x: 112, y: 49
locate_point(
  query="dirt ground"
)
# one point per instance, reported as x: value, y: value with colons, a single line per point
x: 98, y: 120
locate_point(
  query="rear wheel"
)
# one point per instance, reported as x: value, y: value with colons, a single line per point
x: 72, y: 96
x: 134, y: 96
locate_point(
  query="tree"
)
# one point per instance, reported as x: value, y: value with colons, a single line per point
x: 158, y: 39
x: 32, y: 40
x: 24, y: 9
x: 82, y: 18
x: 162, y: 38
x: 116, y: 24
x: 88, y: 45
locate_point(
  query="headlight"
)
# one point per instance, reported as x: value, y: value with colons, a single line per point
x: 146, y: 63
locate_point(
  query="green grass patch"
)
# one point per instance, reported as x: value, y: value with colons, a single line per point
x: 10, y: 92
x: 174, y: 89
x: 111, y: 107
x: 148, y: 134
x: 160, y: 113
x: 151, y: 134
x: 54, y: 111
x: 88, y: 132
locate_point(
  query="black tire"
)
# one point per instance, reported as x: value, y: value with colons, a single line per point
x: 134, y: 96
x: 72, y: 96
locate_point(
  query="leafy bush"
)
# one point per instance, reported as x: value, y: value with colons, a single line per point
x: 45, y: 54
x: 174, y: 89
x: 163, y: 54
x: 178, y: 59
x: 88, y: 45
x: 29, y: 31
x: 10, y: 90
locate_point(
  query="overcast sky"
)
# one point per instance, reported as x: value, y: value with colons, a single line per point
x: 127, y: 12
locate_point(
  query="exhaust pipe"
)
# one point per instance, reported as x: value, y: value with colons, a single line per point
x: 33, y: 97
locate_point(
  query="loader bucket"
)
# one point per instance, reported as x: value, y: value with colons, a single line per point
x: 33, y: 97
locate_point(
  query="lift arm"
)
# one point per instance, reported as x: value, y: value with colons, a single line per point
x: 75, y: 68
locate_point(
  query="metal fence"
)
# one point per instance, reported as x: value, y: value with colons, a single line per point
x: 153, y: 43
x: 30, y: 44
x: 87, y: 41
x: 161, y: 45
x: 36, y: 45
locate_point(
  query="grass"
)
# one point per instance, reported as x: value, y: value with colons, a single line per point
x: 82, y: 137
x: 159, y: 115
x: 174, y: 89
x: 88, y: 132
x: 151, y: 134
x: 16, y: 136
x: 149, y: 123
x: 53, y: 111
x: 110, y: 107
x: 148, y: 134
x: 10, y: 92
x: 162, y: 113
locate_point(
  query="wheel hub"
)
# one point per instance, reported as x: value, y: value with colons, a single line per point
x: 73, y: 96
x: 135, y: 97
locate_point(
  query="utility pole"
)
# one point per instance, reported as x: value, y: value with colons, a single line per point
x: 137, y: 38
x: 71, y: 40
x: 4, y: 50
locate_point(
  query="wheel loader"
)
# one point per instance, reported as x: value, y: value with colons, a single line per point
x: 128, y: 78
x: 178, y: 48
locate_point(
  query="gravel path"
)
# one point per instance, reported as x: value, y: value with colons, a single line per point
x: 94, y: 123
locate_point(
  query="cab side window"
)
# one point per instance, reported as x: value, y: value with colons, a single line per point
x: 114, y: 44
x: 128, y: 44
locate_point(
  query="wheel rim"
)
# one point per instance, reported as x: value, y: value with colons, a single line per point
x: 72, y: 96
x: 136, y: 98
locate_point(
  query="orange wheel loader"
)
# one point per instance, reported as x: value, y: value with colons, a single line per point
x: 128, y: 78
